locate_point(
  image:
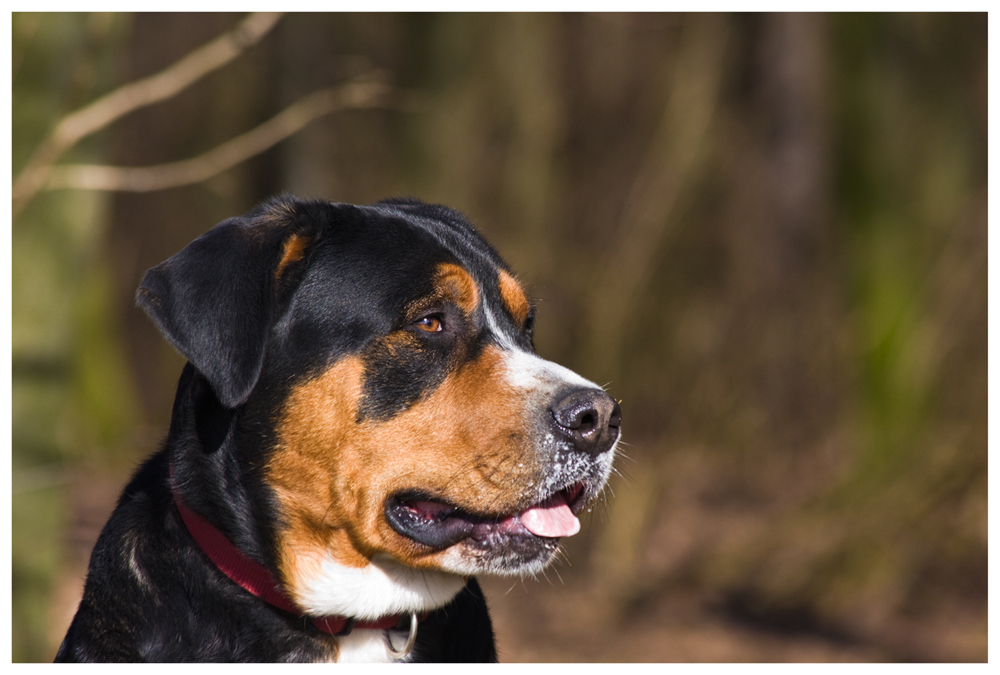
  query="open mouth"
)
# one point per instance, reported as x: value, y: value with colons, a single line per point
x: 438, y: 524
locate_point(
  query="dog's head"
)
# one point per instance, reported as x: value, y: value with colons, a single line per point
x: 384, y: 355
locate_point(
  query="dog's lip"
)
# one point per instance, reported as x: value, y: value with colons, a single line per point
x: 437, y: 523
x: 432, y: 508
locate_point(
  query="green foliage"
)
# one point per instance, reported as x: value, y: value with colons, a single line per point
x: 38, y: 519
x: 898, y: 526
x: 71, y: 400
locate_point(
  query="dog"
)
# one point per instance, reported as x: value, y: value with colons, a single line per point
x: 361, y: 428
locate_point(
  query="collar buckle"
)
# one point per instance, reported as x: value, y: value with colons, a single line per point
x: 348, y: 627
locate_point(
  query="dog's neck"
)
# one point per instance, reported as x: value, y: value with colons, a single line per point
x: 377, y: 595
x: 259, y: 581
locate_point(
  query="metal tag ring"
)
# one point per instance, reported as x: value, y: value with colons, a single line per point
x: 401, y: 654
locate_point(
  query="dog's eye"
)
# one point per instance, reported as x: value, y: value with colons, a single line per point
x: 430, y: 324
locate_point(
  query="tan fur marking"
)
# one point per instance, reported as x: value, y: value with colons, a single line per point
x: 457, y: 285
x: 468, y: 443
x: 295, y: 248
x: 514, y: 297
x: 303, y: 472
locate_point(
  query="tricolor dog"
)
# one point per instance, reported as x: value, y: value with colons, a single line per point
x: 362, y: 427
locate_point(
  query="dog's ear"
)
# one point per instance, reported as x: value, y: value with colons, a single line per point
x: 216, y: 300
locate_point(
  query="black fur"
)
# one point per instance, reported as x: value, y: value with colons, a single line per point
x: 249, y: 334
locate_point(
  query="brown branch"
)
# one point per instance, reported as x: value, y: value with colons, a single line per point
x: 130, y: 97
x: 367, y: 93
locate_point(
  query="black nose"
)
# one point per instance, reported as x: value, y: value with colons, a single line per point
x: 590, y: 418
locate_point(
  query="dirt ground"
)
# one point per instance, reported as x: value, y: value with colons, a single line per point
x: 543, y: 622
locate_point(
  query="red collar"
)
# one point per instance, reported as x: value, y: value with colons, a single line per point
x: 258, y: 579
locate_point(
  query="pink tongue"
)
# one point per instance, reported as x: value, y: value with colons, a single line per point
x: 551, y: 518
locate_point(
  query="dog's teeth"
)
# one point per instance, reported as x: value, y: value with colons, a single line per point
x: 431, y: 510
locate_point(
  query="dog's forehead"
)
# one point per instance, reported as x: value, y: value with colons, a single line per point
x: 448, y: 233
x: 374, y: 267
x: 481, y: 261
x: 395, y: 253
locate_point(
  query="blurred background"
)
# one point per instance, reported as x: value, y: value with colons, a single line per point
x: 765, y: 232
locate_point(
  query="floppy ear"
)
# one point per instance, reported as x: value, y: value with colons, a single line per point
x: 215, y: 301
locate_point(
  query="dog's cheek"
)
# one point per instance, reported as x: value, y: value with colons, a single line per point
x: 399, y: 371
x: 472, y: 442
x: 304, y: 470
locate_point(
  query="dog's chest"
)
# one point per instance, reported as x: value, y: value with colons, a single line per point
x: 369, y: 646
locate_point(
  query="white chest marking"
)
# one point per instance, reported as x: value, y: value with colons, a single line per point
x: 368, y: 646
x: 382, y: 587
